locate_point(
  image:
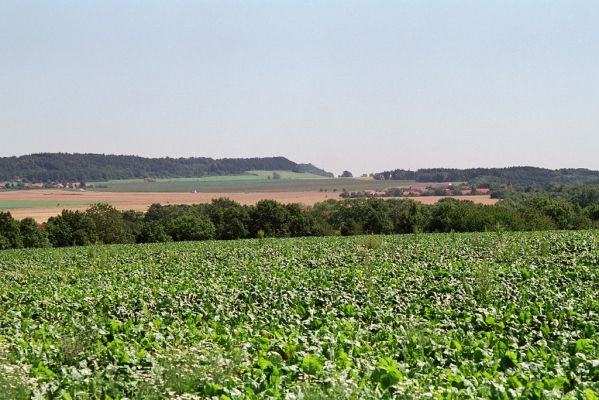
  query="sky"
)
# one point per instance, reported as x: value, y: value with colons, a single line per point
x: 359, y: 85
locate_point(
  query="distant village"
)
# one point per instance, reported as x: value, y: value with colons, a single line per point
x: 20, y: 184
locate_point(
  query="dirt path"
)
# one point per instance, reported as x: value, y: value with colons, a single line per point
x: 141, y: 201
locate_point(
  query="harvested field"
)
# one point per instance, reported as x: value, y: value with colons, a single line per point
x: 39, y: 200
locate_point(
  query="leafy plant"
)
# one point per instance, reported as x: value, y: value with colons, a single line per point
x: 482, y: 315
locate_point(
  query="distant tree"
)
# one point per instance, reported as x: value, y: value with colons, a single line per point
x: 192, y: 227
x: 445, y: 216
x: 276, y: 175
x: 32, y: 234
x: 408, y: 216
x: 592, y: 212
x: 9, y: 229
x: 271, y: 217
x: 562, y: 212
x: 165, y: 214
x: 71, y: 228
x: 351, y: 226
x: 230, y: 219
x: 302, y: 222
x: 110, y: 226
x: 134, y: 221
x: 97, y: 167
x: 153, y: 232
x: 4, y: 243
x: 584, y: 195
x: 377, y: 219
x: 346, y: 174
x: 155, y: 212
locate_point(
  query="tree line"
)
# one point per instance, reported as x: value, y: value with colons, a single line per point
x: 224, y: 219
x: 519, y: 176
x: 64, y: 167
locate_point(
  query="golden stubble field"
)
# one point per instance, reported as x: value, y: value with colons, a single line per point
x: 141, y: 201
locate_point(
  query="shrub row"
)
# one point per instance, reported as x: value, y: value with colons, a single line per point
x: 224, y: 219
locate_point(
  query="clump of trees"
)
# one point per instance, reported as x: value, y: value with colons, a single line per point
x: 59, y: 167
x: 518, y: 176
x: 223, y: 219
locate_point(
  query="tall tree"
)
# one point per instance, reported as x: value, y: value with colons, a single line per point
x: 32, y: 234
x: 9, y: 229
x: 110, y: 226
x: 71, y: 228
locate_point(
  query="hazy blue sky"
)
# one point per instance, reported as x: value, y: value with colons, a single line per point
x: 363, y: 85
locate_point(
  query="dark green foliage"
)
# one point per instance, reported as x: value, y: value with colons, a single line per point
x: 110, y: 224
x: 409, y: 216
x: 518, y: 176
x: 59, y: 167
x: 271, y: 217
x: 9, y: 230
x: 592, y: 212
x: 71, y: 228
x: 364, y: 216
x: 376, y: 218
x: 153, y: 232
x: 4, y: 243
x: 32, y: 234
x: 302, y: 222
x: 133, y: 221
x: 583, y: 195
x: 224, y: 219
x: 230, y: 219
x: 192, y: 227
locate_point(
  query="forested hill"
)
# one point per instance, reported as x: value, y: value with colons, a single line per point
x: 520, y: 176
x: 53, y: 167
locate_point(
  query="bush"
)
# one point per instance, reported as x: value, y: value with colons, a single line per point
x: 370, y: 242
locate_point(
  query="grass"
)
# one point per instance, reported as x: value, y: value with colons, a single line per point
x: 252, y: 184
x: 247, y: 176
x: 15, y: 204
x: 252, y: 181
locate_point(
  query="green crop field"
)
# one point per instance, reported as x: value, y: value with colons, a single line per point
x: 14, y: 204
x: 248, y: 176
x: 257, y: 181
x: 486, y: 315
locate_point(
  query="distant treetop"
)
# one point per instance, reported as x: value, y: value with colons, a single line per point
x: 520, y: 176
x: 61, y: 167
